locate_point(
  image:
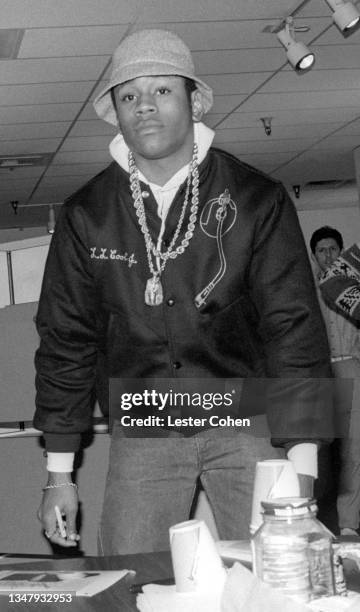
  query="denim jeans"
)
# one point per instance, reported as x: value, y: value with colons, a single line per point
x: 151, y: 484
x: 348, y: 501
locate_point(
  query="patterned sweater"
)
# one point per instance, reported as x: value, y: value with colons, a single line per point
x: 340, y: 284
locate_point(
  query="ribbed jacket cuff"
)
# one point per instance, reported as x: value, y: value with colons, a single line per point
x: 62, y: 443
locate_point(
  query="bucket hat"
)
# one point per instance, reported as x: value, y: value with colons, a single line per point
x: 149, y: 53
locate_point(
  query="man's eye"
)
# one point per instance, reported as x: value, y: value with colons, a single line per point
x: 128, y: 98
x: 163, y: 90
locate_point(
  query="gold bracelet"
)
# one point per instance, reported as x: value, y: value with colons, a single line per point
x: 61, y: 484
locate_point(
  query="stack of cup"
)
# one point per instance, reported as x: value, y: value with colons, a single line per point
x: 274, y: 478
x: 196, y: 562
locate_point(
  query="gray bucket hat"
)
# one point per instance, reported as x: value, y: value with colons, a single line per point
x: 149, y: 53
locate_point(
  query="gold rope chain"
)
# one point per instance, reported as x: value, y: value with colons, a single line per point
x: 193, y: 181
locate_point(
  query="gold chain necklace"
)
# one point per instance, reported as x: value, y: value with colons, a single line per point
x: 154, y: 292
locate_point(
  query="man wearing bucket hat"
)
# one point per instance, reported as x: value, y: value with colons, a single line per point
x: 176, y: 262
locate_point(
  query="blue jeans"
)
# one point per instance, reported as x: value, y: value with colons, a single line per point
x: 348, y: 501
x: 151, y: 485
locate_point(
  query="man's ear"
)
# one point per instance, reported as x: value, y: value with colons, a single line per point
x: 197, y: 106
x: 113, y: 100
x: 313, y: 259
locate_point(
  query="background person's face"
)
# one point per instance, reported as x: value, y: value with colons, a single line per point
x: 155, y: 117
x: 326, y: 251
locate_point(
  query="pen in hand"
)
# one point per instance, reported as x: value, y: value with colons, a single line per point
x: 60, y: 522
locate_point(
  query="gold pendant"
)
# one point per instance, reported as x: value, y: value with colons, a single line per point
x: 153, y: 291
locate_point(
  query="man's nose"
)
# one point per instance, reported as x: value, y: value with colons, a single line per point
x: 329, y: 257
x: 146, y: 104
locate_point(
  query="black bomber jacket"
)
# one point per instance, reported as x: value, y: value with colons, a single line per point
x: 239, y: 302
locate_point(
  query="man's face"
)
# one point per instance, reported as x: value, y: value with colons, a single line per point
x: 326, y: 251
x: 155, y: 117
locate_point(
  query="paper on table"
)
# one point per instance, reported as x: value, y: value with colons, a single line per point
x: 83, y: 583
x: 244, y: 592
x: 157, y: 598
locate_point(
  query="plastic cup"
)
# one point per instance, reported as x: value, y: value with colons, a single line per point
x: 273, y: 478
x: 196, y: 562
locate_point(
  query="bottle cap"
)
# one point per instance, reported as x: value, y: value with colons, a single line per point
x: 289, y: 506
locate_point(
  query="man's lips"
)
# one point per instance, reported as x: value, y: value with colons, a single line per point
x: 150, y: 126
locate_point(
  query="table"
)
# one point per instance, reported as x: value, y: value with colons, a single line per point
x: 149, y: 567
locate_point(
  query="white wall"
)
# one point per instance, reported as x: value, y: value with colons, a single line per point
x: 16, y: 233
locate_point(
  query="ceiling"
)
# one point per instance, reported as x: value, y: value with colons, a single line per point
x: 62, y: 60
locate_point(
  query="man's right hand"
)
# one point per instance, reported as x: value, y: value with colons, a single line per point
x: 65, y: 497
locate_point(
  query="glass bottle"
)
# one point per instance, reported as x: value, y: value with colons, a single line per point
x: 292, y: 550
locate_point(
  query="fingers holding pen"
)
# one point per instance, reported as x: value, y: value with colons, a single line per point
x: 64, y: 534
x: 58, y: 515
x: 61, y: 532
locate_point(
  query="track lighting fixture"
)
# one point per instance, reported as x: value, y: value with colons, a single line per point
x: 346, y: 16
x: 266, y: 121
x: 296, y: 189
x: 15, y: 205
x: 298, y: 54
x: 51, y: 220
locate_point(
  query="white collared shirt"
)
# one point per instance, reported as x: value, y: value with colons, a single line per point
x: 164, y: 194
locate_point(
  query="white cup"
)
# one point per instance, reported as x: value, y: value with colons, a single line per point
x: 273, y: 478
x: 196, y: 562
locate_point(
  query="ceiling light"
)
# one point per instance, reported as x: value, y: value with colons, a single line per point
x: 346, y: 16
x: 51, y: 217
x: 51, y: 220
x: 296, y: 189
x: 266, y: 121
x: 298, y: 54
x: 15, y: 205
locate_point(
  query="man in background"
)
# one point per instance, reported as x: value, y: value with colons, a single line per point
x: 326, y: 246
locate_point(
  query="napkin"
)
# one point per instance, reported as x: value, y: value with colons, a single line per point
x: 158, y: 598
x: 244, y: 592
